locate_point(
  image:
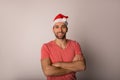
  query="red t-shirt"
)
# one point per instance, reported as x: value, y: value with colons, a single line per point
x: 57, y: 54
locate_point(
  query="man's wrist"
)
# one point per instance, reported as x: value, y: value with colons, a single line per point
x: 59, y: 64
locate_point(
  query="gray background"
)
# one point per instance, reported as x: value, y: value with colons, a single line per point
x: 26, y: 24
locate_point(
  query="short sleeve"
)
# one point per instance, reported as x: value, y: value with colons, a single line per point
x: 77, y: 48
x: 44, y: 52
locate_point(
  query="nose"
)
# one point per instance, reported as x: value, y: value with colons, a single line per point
x: 60, y: 29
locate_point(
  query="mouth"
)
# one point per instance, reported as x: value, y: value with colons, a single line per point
x: 60, y: 33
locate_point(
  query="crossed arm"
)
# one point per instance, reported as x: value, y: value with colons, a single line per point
x: 61, y: 68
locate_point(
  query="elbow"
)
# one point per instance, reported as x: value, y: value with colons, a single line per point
x: 82, y: 68
x: 47, y: 73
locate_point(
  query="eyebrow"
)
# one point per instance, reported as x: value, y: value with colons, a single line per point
x: 61, y: 25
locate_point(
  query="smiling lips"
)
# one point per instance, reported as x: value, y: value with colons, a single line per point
x: 60, y: 33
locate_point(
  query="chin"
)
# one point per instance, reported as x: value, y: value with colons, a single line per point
x: 60, y: 37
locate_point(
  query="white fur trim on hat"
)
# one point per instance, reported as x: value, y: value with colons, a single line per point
x: 64, y: 20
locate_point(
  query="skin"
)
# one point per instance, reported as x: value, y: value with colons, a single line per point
x: 61, y: 68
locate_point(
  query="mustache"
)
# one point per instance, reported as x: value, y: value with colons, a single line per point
x: 61, y: 32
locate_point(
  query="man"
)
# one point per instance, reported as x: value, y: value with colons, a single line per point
x: 61, y: 58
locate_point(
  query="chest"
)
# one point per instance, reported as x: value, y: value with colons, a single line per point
x: 65, y: 55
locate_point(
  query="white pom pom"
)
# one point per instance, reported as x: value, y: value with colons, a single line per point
x: 64, y: 19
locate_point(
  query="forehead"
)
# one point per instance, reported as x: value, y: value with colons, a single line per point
x: 59, y: 24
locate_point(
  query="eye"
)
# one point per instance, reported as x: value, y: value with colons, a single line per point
x: 56, y: 26
x: 64, y: 26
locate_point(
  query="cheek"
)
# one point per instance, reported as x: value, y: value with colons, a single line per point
x: 65, y: 30
x: 55, y: 31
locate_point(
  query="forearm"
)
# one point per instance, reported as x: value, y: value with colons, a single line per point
x: 72, y: 66
x: 55, y: 71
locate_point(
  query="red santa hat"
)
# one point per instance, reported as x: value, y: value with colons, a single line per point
x: 60, y: 18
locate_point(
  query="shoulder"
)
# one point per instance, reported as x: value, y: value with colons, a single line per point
x: 73, y: 41
x: 47, y: 44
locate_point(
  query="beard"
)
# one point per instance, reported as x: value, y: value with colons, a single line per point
x: 62, y: 36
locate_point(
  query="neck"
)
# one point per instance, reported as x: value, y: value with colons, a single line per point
x: 61, y: 42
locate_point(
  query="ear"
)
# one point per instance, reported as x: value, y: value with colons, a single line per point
x: 67, y: 29
x: 53, y: 28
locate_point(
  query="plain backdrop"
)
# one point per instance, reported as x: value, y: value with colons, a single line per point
x: 26, y: 24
